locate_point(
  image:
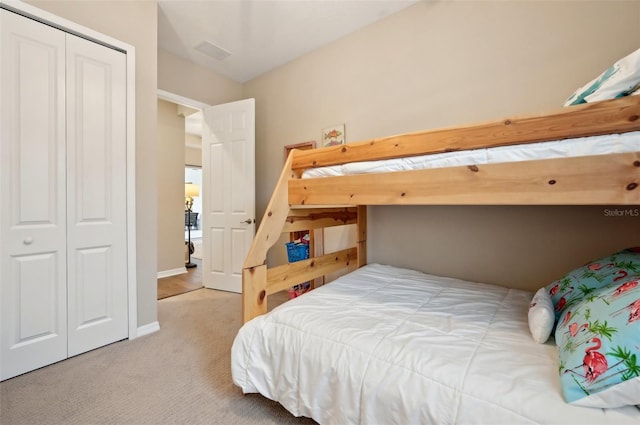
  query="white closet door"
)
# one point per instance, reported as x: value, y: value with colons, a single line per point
x: 96, y: 195
x: 33, y: 271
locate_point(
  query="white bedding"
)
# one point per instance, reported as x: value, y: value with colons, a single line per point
x: 385, y: 345
x: 583, y: 146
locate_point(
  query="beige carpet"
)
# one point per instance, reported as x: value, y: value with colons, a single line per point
x: 178, y: 375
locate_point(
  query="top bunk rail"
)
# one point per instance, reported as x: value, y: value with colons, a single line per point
x: 590, y: 119
x: 574, y: 180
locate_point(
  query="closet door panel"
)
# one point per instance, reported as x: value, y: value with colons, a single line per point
x: 33, y: 298
x: 37, y: 303
x: 96, y: 195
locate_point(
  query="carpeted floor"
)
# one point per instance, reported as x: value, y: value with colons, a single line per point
x: 178, y: 375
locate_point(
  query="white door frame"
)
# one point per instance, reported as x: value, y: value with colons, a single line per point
x: 181, y: 100
x: 79, y: 30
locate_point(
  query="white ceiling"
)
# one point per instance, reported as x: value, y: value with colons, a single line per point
x: 261, y: 35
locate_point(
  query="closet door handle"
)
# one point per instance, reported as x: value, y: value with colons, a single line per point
x: 247, y: 221
x: 28, y: 240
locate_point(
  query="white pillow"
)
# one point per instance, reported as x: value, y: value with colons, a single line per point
x: 619, y: 80
x: 541, y: 316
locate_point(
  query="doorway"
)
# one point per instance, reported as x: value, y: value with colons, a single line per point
x: 227, y: 192
x: 180, y: 159
x: 193, y: 222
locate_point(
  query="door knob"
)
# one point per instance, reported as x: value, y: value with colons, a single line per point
x: 248, y: 221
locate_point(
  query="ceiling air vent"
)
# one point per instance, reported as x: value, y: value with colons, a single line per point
x: 212, y: 50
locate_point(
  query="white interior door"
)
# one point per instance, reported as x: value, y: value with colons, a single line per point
x: 228, y: 196
x: 33, y: 274
x: 96, y: 195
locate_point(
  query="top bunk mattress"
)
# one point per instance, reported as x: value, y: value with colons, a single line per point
x: 582, y: 146
x: 391, y: 345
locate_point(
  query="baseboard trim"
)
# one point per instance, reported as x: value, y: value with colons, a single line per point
x: 173, y: 272
x: 148, y: 329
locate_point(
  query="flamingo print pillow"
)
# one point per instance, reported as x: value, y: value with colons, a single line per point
x: 581, y: 282
x: 599, y: 347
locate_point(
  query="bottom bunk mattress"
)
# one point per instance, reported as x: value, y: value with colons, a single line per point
x: 385, y: 345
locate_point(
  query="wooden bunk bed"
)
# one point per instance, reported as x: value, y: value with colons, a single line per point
x: 306, y: 204
x: 382, y: 344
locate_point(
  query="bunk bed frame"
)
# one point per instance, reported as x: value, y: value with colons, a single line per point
x: 308, y: 204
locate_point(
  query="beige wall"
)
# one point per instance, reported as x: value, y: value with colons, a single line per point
x: 171, y: 150
x: 439, y: 64
x: 187, y: 79
x: 514, y: 246
x: 193, y: 155
x: 135, y: 23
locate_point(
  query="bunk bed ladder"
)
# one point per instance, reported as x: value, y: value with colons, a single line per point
x: 260, y: 281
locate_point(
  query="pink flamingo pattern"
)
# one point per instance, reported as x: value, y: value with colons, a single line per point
x: 594, y: 363
x: 600, y: 346
x: 621, y: 274
x: 634, y: 311
x: 574, y: 328
x: 567, y: 317
x: 625, y: 287
x: 594, y: 275
x: 634, y: 314
x: 598, y: 266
